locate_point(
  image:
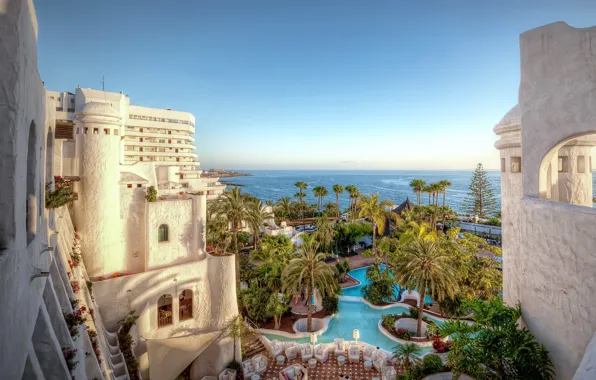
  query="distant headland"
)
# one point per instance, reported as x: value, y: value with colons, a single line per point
x: 221, y: 173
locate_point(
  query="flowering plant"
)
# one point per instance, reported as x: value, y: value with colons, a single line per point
x: 74, y: 320
x: 403, y: 334
x: 69, y: 355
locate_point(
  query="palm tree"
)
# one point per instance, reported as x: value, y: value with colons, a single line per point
x: 371, y: 208
x: 418, y: 186
x: 427, y: 190
x: 269, y: 202
x: 426, y: 266
x: 337, y: 189
x: 232, y: 205
x: 444, y: 185
x: 284, y: 207
x: 237, y: 329
x: 352, y: 191
x: 320, y: 192
x: 257, y: 214
x: 300, y: 194
x: 325, y: 231
x: 309, y: 272
x: 406, y: 354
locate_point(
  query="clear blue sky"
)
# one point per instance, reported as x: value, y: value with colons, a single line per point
x: 347, y: 84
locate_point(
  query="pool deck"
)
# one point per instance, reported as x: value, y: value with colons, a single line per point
x: 330, y: 370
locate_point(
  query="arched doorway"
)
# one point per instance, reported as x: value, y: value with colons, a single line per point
x: 185, y: 306
x: 164, y: 311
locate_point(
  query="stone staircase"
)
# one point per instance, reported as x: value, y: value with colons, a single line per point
x: 253, y: 347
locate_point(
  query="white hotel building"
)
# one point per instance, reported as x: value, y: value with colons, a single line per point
x: 156, y: 144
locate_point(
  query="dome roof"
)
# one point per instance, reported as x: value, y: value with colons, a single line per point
x: 512, y: 117
x: 98, y: 108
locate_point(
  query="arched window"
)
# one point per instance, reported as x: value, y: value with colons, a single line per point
x: 31, y: 215
x: 164, y: 310
x: 162, y: 233
x: 185, y: 306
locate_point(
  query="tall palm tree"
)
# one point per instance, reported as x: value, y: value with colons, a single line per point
x: 406, y: 354
x: 444, y: 185
x: 426, y: 266
x: 371, y: 208
x: 258, y: 212
x: 352, y: 191
x: 309, y: 272
x: 269, y: 202
x: 418, y: 186
x: 427, y: 190
x: 284, y: 207
x: 300, y: 194
x: 325, y: 231
x: 320, y: 192
x: 337, y: 189
x: 232, y: 205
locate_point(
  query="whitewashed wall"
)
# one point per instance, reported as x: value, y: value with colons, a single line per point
x: 177, y: 215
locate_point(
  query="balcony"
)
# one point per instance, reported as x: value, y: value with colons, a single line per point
x: 160, y: 154
x: 166, y: 144
x: 177, y: 136
x: 131, y: 160
x: 162, y: 125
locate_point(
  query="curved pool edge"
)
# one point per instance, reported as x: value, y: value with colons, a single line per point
x: 298, y: 335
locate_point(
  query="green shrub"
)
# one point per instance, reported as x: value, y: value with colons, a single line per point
x: 432, y: 330
x: 125, y: 342
x: 388, y: 321
x: 331, y: 305
x: 62, y: 194
x: 151, y: 195
x: 403, y: 334
x: 378, y: 290
x: 413, y: 312
x: 432, y: 364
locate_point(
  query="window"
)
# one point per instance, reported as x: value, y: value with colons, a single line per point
x: 162, y: 233
x: 162, y: 141
x: 129, y: 186
x: 563, y: 164
x: 581, y: 164
x: 115, y: 132
x: 164, y: 310
x: 71, y: 100
x: 185, y: 305
x: 515, y: 164
x: 106, y: 131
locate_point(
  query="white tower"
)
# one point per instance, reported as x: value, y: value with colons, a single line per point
x: 509, y: 145
x: 97, y: 129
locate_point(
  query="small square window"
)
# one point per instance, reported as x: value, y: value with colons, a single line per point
x: 106, y: 131
x: 581, y: 164
x: 115, y: 132
x: 95, y: 131
x: 563, y: 164
x: 139, y: 185
x: 515, y: 164
x: 129, y: 186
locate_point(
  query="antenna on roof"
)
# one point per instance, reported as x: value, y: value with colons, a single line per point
x: 103, y: 83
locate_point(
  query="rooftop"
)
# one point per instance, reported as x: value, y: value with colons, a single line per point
x: 128, y: 177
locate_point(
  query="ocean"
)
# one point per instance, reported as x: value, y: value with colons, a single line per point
x: 390, y: 184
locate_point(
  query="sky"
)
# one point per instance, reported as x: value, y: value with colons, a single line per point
x: 325, y: 84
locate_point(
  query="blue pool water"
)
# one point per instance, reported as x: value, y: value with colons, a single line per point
x: 356, y: 315
x: 360, y: 275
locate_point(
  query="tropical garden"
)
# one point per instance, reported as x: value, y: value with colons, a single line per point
x: 420, y: 249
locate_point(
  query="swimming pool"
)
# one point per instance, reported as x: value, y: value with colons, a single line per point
x: 360, y: 275
x: 356, y: 315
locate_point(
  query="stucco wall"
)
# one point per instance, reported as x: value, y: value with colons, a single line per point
x: 21, y: 104
x: 101, y: 229
x: 177, y: 215
x: 212, y: 281
x: 132, y: 215
x: 558, y: 287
